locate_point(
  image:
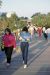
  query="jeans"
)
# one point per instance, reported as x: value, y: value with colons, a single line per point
x: 24, y: 49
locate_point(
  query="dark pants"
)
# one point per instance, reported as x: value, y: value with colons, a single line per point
x: 45, y: 35
x: 24, y: 49
x: 8, y: 52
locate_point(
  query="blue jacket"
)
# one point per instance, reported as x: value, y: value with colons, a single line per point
x: 26, y: 37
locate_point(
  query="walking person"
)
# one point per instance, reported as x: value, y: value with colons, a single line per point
x: 45, y: 33
x: 31, y: 29
x: 39, y: 30
x: 25, y: 38
x: 9, y: 43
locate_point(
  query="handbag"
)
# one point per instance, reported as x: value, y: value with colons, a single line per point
x: 2, y: 47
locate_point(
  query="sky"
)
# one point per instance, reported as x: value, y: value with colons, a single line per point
x: 25, y: 7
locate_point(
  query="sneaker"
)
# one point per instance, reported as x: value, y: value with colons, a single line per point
x: 25, y: 66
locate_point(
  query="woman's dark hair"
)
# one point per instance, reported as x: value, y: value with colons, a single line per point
x: 8, y: 30
x: 25, y: 29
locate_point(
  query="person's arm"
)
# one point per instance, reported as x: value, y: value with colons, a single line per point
x: 20, y: 37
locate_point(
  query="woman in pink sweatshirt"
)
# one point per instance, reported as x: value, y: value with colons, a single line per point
x: 9, y: 43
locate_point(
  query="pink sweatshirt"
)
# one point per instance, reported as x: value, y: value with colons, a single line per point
x: 9, y: 40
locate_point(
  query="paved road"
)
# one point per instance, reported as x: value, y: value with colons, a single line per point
x: 38, y: 60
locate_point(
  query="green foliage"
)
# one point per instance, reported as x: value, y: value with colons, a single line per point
x: 13, y: 22
x: 0, y: 3
x: 41, y: 19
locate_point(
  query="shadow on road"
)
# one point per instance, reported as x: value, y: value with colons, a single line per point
x: 17, y: 59
x: 37, y: 50
x: 15, y: 65
x: 44, y: 70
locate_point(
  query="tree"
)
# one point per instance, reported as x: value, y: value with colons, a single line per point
x: 3, y: 21
x: 41, y: 19
x: 0, y: 3
x: 48, y: 20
